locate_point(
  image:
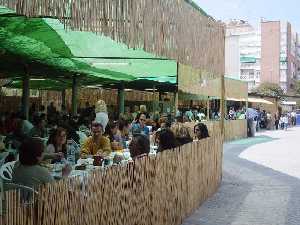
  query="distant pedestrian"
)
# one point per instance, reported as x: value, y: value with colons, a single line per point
x: 285, y: 121
x: 293, y: 115
x: 276, y: 121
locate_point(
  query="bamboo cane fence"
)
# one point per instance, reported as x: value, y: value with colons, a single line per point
x: 158, y: 190
x: 234, y: 129
x: 13, y: 103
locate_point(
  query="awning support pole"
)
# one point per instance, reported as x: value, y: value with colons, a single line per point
x: 25, y: 95
x: 74, y: 96
x: 63, y: 98
x: 121, y: 99
x: 153, y: 100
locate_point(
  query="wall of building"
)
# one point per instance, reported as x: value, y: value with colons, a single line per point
x: 270, y: 51
x: 249, y: 49
x: 232, y: 56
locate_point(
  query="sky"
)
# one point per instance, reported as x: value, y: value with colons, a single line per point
x: 253, y: 10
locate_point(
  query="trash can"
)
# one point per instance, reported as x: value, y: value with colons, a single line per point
x: 298, y: 119
x: 253, y: 128
x: 251, y: 125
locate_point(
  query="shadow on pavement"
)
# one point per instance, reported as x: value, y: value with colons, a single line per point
x: 250, y: 193
x: 220, y: 208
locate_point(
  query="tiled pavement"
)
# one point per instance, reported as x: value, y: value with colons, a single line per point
x: 261, y: 183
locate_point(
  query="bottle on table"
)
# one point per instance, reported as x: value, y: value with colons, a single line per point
x: 71, y: 151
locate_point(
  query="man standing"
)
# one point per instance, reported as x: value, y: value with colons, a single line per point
x: 293, y: 115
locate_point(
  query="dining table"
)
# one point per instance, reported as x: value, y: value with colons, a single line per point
x: 85, y: 166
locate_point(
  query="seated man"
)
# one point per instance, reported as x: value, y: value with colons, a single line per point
x: 97, y: 144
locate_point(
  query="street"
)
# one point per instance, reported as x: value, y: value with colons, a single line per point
x: 261, y: 183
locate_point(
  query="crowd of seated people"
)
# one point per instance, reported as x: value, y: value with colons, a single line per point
x: 102, y: 137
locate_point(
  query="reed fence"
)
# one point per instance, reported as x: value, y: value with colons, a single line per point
x: 156, y: 190
x: 234, y: 129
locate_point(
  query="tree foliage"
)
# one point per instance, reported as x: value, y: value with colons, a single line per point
x: 269, y: 89
x: 297, y: 87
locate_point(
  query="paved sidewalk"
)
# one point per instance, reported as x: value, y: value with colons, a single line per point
x: 261, y: 184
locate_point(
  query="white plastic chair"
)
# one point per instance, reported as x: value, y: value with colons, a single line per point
x: 28, y: 194
x: 6, y: 171
x: 3, y: 157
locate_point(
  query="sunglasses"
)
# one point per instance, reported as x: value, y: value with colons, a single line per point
x: 142, y: 120
x: 197, y: 130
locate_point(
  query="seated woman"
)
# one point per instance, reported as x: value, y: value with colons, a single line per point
x: 139, y: 146
x: 113, y: 133
x: 201, y: 131
x: 97, y: 144
x: 56, y: 145
x: 182, y: 133
x: 139, y: 126
x: 27, y: 171
x: 124, y: 129
x: 166, y: 140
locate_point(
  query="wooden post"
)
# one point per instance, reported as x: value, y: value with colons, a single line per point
x: 153, y: 100
x: 25, y: 96
x: 121, y: 98
x: 208, y: 109
x: 222, y: 105
x: 176, y: 91
x: 176, y: 101
x: 74, y: 96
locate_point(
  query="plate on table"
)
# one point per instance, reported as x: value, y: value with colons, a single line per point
x: 88, y: 161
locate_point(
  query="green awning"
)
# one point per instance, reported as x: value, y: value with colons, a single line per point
x: 42, y: 84
x: 50, y: 51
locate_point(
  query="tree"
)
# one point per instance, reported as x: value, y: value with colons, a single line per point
x: 297, y: 87
x: 269, y: 89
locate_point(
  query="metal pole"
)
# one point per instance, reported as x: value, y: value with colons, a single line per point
x: 74, y: 96
x: 25, y: 96
x: 121, y: 99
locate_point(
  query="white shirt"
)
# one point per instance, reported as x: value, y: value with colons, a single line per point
x: 201, y: 116
x: 102, y: 117
x: 27, y: 126
x: 50, y: 149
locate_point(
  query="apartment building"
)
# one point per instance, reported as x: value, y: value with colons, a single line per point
x: 249, y: 51
x: 270, y: 53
